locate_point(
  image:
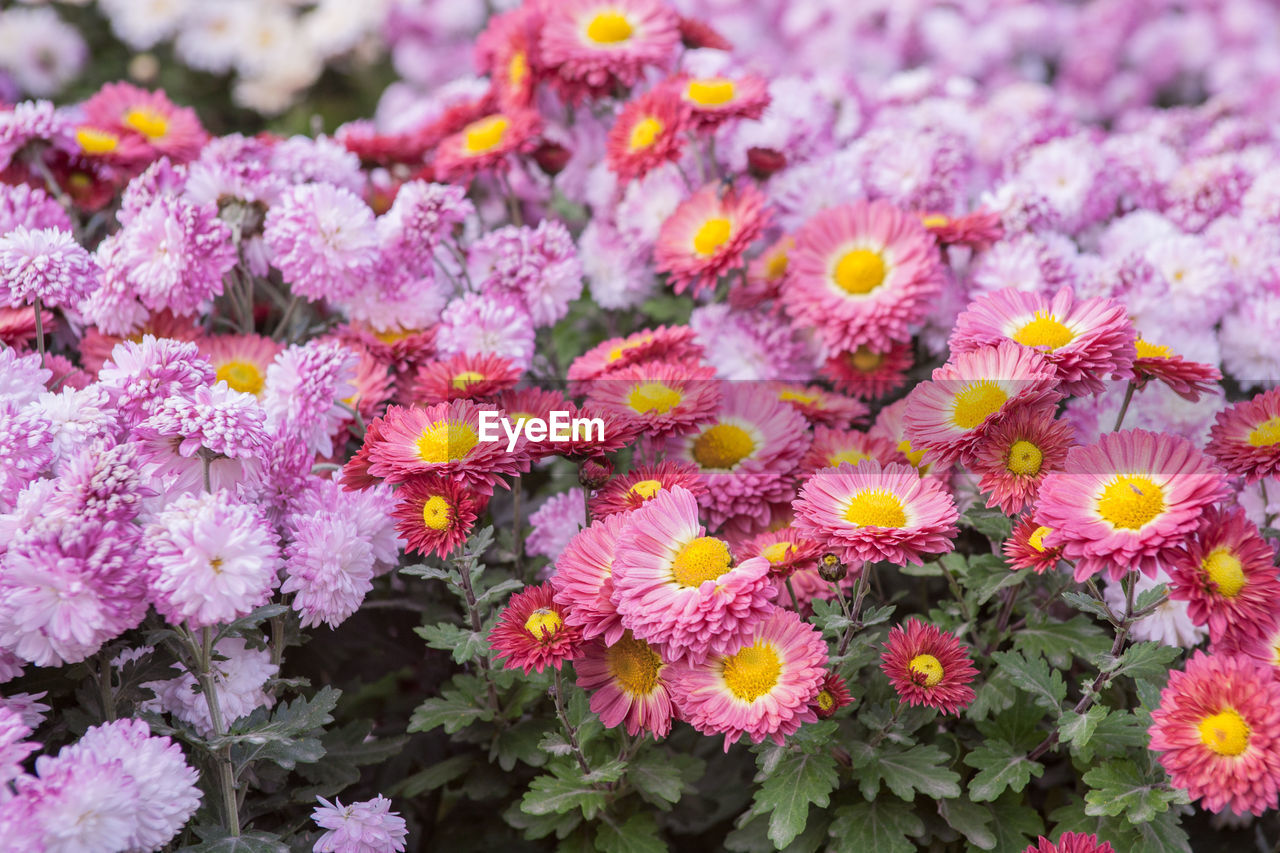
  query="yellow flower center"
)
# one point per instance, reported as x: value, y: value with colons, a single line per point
x: 149, y: 123
x: 704, y: 559
x: 926, y: 670
x: 976, y: 402
x: 543, y: 624
x: 751, y: 672
x: 393, y: 335
x: 1266, y: 433
x: 216, y: 565
x: 853, y: 457
x: 777, y: 552
x: 1044, y: 331
x: 486, y: 134
x: 241, y: 376
x: 1036, y: 539
x: 645, y: 489
x: 775, y: 265
x: 518, y: 68
x: 865, y: 360
x: 633, y: 665
x: 713, y: 234
x: 1225, y: 571
x: 609, y: 28
x: 465, y: 378
x: 722, y: 446
x: 446, y: 442
x: 1150, y: 350
x: 1130, y: 502
x: 644, y: 133
x: 654, y: 397
x: 1226, y: 733
x: 94, y: 141
x: 826, y: 702
x: 937, y: 220
x: 617, y: 352
x: 913, y: 456
x: 876, y: 508
x: 436, y: 513
x: 859, y: 272
x: 1025, y: 459
x: 711, y: 92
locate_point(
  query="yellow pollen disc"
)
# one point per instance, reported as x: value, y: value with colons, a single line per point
x: 704, y: 559
x: 436, y: 513
x: 937, y: 220
x: 875, y: 508
x: 518, y: 68
x: 1266, y: 433
x: 644, y: 133
x: 149, y: 123
x: 913, y: 456
x: 976, y: 402
x: 1225, y: 571
x: 752, y: 672
x: 609, y: 28
x: 543, y: 624
x: 645, y: 489
x: 853, y: 457
x: 93, y: 141
x: 1226, y: 733
x: 241, y: 376
x: 926, y: 670
x: 618, y: 351
x: 653, y: 397
x: 393, y: 335
x: 792, y: 395
x: 826, y: 701
x: 633, y: 665
x: 485, y: 134
x: 865, y: 360
x: 446, y: 442
x: 1046, y: 331
x: 711, y: 92
x: 1150, y: 350
x: 1036, y: 539
x: 713, y: 234
x: 1025, y: 459
x: 722, y: 446
x: 1130, y: 502
x: 859, y: 272
x: 216, y: 565
x: 777, y: 552
x: 775, y: 266
x: 465, y: 378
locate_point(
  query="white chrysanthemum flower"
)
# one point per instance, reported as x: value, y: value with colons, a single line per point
x: 142, y: 24
x: 1169, y: 624
x: 39, y: 50
x: 240, y: 674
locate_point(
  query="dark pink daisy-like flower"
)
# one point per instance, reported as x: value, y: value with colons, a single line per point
x: 462, y: 377
x: 583, y: 579
x: 875, y: 512
x: 716, y: 100
x: 619, y: 431
x: 534, y: 403
x: 485, y: 144
x: 870, y: 373
x: 241, y: 360
x: 434, y: 514
x: 708, y: 234
x: 978, y: 230
x: 1085, y: 341
x: 1187, y: 379
x: 1025, y: 548
x: 820, y: 406
x: 592, y: 46
x: 928, y: 667
x: 629, y: 491
x: 1127, y: 502
x: 787, y: 550
x: 649, y: 131
x: 531, y: 633
x: 1227, y: 576
x: 46, y: 265
x: 1245, y: 437
x: 1071, y: 842
x: 863, y: 274
x: 664, y: 399
x: 629, y: 683
x: 163, y: 128
x: 1016, y: 455
x: 1217, y: 732
x: 674, y: 344
x: 833, y: 694
x: 833, y: 446
x: 766, y: 275
x: 507, y: 51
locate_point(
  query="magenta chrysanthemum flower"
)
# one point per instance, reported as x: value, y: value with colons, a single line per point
x: 1127, y: 501
x: 649, y: 131
x: 556, y: 522
x: 75, y: 801
x: 367, y: 827
x: 675, y: 587
x: 951, y: 414
x: 594, y: 45
x: 1016, y: 455
x: 1071, y: 842
x: 674, y: 344
x: 1025, y: 548
x: 538, y: 266
x: 434, y: 514
x: 875, y: 512
x: 870, y: 374
x: 421, y: 216
x: 46, y: 265
x: 928, y: 667
x: 833, y: 446
x: 715, y: 100
x: 1187, y: 379
x: 213, y: 418
x: 862, y: 274
x: 32, y: 207
x: 486, y: 144
x: 820, y: 406
x: 328, y: 567
x: 461, y: 377
x: 664, y: 399
x: 532, y: 633
x: 323, y: 239
x: 629, y: 491
x: 708, y: 234
x: 629, y: 685
x: 306, y: 389
x: 26, y: 445
x: 583, y: 579
x: 1086, y: 341
x: 141, y: 376
x: 833, y: 694
x: 1217, y: 732
x: 787, y: 550
x: 1245, y: 438
x: 761, y: 687
x: 163, y: 128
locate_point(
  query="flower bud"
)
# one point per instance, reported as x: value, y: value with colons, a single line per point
x: 831, y: 568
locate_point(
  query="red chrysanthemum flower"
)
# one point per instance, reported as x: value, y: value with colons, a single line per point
x: 696, y: 33
x: 664, y: 399
x: 532, y: 634
x: 928, y: 667
x: 629, y: 491
x: 833, y: 695
x: 820, y: 406
x: 833, y: 446
x: 648, y: 132
x: 1015, y: 456
x: 630, y: 686
x: 462, y: 377
x: 674, y: 344
x: 537, y: 404
x: 787, y: 550
x: 870, y: 374
x: 978, y: 230
x: 591, y: 47
x: 506, y: 50
x: 18, y: 325
x: 1187, y: 379
x: 1245, y: 438
x: 484, y: 144
x: 583, y: 579
x: 399, y: 349
x: 435, y: 514
x: 1071, y: 842
x: 148, y: 125
x: 613, y: 432
x: 1217, y: 732
x: 373, y: 382
x: 708, y: 234
x: 1025, y: 548
x: 715, y: 100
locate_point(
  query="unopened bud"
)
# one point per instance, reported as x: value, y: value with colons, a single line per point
x: 552, y: 157
x: 831, y: 568
x: 595, y: 472
x: 763, y: 162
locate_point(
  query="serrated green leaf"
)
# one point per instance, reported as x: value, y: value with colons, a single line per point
x: 251, y: 621
x: 553, y: 794
x: 249, y: 842
x: 1034, y: 676
x: 436, y: 776
x: 1148, y: 597
x: 520, y: 742
x: 785, y: 794
x: 970, y: 820
x: 1016, y: 825
x: 1018, y: 725
x: 540, y: 826
x: 988, y: 574
x: 463, y: 644
x: 638, y: 835
x: 1087, y: 604
x: 883, y: 826
x: 422, y: 570
x: 993, y: 696
x: 1162, y: 834
x: 1121, y: 787
x: 921, y: 768
x: 991, y: 523
x: 661, y: 778
x: 1059, y: 640
x: 1116, y: 733
x: 458, y: 706
x: 1000, y: 767
x: 498, y: 592
x: 1076, y: 730
x: 1141, y: 661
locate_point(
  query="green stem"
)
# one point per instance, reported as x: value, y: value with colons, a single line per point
x: 40, y: 328
x: 203, y: 650
x: 105, y: 688
x: 283, y: 325
x: 1124, y: 407
x: 570, y: 732
x: 860, y: 593
x: 795, y: 602
x: 517, y: 540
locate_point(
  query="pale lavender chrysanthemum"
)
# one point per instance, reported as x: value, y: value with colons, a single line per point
x: 160, y: 179
x: 75, y: 803
x: 234, y: 167
x: 43, y: 52
x: 421, y: 216
x: 14, y: 748
x: 305, y: 389
x: 478, y: 324
x: 76, y: 419
x: 211, y: 559
x: 213, y: 418
x: 798, y: 121
x: 1262, y: 200
x: 1205, y: 189
x: 323, y: 239
x: 1247, y: 338
x: 304, y: 160
x: 10, y: 666
x: 27, y: 706
x: 31, y: 507
x: 285, y: 475
x: 1156, y: 407
x: 751, y: 344
x: 1252, y: 253
x: 556, y: 522
x: 240, y: 674
x: 114, y: 307
x: 25, y: 449
x: 618, y: 276
x: 923, y: 168
x: 64, y: 592
x: 167, y: 792
x: 34, y: 121
x: 101, y: 482
x: 370, y: 509
x: 538, y: 265
x: 328, y: 566
x: 22, y: 378
x: 367, y: 827
x: 1017, y: 262
x: 141, y: 375
x: 392, y: 300
x: 1196, y: 276
x: 45, y: 264
x: 30, y: 207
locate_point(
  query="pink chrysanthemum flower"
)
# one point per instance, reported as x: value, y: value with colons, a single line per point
x: 532, y: 634
x: 629, y: 491
x: 241, y: 361
x: 675, y: 587
x: 928, y: 667
x: 583, y: 579
x: 707, y: 235
x: 1071, y: 842
x: 1227, y: 576
x: 951, y: 415
x: 1245, y: 438
x: 1127, y: 501
x: 1187, y: 379
x: 863, y: 274
x: 761, y: 687
x: 328, y: 567
x: 73, y: 802
x: 629, y: 683
x: 978, y: 230
x: 213, y: 418
x: 664, y: 399
x: 1085, y: 341
x: 820, y: 406
x: 398, y: 348
x: 18, y: 326
x: 46, y: 265
x: 324, y: 241
x: 833, y: 694
x: 1025, y: 548
x: 673, y: 344
x: 1016, y: 455
x: 870, y: 374
x: 164, y: 128
x: 715, y: 100
x: 649, y: 131
x: 538, y: 267
x: 434, y: 514
x: 485, y: 144
x: 506, y: 50
x: 493, y: 323
x: 875, y: 512
x: 462, y: 377
x: 766, y: 275
x: 140, y: 376
x: 555, y: 523
x: 441, y: 439
x: 1217, y: 732
x: 833, y: 446
x: 534, y: 403
x: 421, y: 216
x: 593, y: 46
x: 787, y: 550
x: 367, y: 827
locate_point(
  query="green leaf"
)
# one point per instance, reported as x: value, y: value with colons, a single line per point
x: 422, y: 570
x: 660, y: 778
x: 921, y: 768
x: 829, y: 617
x: 1058, y: 641
x: 1000, y: 766
x: 458, y: 706
x: 287, y: 736
x: 1121, y: 787
x: 991, y: 523
x: 1115, y: 734
x: 996, y: 694
x: 540, y: 826
x: 1034, y: 676
x: 1162, y: 834
x: 883, y: 826
x: 499, y: 591
x: 1016, y: 825
x: 464, y: 645
x: 970, y: 820
x: 1087, y: 604
x: 1140, y: 661
x: 1148, y: 597
x: 249, y: 842
x: 785, y: 793
x: 252, y: 620
x: 554, y: 794
x: 988, y: 574
x: 924, y: 570
x: 638, y: 835
x: 520, y: 742
x: 1076, y: 730
x: 436, y: 776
